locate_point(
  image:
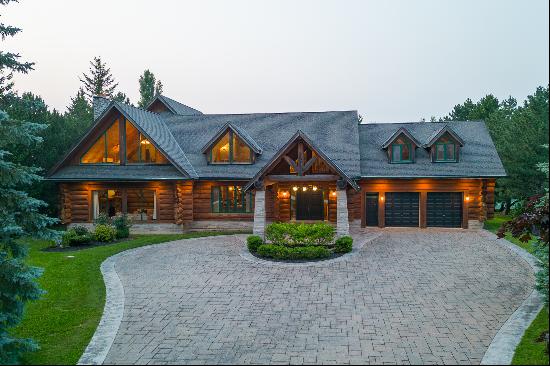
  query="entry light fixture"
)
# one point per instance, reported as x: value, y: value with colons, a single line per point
x: 314, y: 188
x: 304, y: 188
x: 294, y: 188
x: 467, y: 198
x: 382, y: 198
x: 333, y: 193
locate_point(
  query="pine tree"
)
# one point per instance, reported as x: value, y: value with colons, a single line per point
x: 79, y: 115
x: 19, y: 216
x: 148, y: 88
x: 121, y: 97
x: 100, y: 81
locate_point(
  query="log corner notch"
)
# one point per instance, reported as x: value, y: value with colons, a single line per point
x: 184, y: 202
x: 65, y: 203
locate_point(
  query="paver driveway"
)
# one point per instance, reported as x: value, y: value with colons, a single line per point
x: 409, y: 296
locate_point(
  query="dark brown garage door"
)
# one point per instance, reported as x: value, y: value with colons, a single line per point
x: 444, y: 209
x: 402, y: 209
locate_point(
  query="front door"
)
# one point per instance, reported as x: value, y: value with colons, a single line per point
x: 372, y: 209
x: 309, y: 205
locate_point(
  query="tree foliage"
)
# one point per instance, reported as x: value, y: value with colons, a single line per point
x: 149, y: 86
x: 100, y: 81
x: 519, y: 132
x: 20, y: 215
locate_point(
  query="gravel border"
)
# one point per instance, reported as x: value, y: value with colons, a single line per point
x: 502, y: 348
x: 359, y: 241
x: 105, y: 333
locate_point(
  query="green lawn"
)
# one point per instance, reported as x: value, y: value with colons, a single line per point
x: 65, y: 319
x: 530, y: 350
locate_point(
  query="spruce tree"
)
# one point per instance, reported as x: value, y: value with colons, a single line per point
x: 148, y: 88
x: 79, y: 115
x: 121, y: 97
x: 19, y: 214
x: 100, y: 81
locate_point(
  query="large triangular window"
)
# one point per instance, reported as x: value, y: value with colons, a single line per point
x: 138, y: 149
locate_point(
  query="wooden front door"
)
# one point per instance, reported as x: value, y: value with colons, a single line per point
x: 309, y: 205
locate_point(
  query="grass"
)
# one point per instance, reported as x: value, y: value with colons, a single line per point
x: 531, y: 350
x: 64, y: 320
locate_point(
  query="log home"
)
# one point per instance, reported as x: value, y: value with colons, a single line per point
x: 172, y: 168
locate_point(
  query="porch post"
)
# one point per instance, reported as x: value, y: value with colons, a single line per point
x: 259, y: 211
x: 342, y: 221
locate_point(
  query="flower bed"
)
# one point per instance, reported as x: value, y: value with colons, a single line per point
x: 299, y: 242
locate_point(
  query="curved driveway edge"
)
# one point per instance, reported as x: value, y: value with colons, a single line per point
x: 502, y: 348
x: 104, y: 335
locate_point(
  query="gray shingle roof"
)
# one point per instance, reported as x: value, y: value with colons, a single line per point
x: 335, y: 133
x: 177, y: 107
x: 478, y: 157
x: 107, y: 172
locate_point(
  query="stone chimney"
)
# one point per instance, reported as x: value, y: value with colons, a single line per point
x: 99, y: 104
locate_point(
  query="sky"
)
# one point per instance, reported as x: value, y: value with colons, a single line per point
x: 390, y: 60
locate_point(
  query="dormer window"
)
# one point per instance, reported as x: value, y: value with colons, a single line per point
x: 230, y: 149
x: 231, y: 145
x: 401, y: 151
x: 445, y: 152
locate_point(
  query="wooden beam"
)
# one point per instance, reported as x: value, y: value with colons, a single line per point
x: 300, y: 170
x: 303, y: 178
x: 291, y: 162
x: 309, y: 164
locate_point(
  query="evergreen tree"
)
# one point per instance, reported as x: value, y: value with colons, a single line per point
x: 79, y: 114
x: 19, y: 215
x: 121, y: 97
x: 148, y: 88
x: 100, y: 81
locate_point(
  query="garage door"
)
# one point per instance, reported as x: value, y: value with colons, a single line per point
x: 402, y: 209
x: 444, y: 209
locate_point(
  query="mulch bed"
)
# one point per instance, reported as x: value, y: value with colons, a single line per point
x: 91, y: 244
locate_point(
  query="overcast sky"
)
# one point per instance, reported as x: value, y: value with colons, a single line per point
x: 390, y: 60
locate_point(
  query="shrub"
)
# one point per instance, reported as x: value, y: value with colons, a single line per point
x: 122, y: 224
x: 343, y: 244
x: 102, y: 219
x: 297, y: 253
x: 76, y: 236
x: 104, y: 233
x: 293, y: 235
x: 81, y: 230
x: 253, y: 242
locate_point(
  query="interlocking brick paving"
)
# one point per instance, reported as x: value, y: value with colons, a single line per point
x: 408, y: 297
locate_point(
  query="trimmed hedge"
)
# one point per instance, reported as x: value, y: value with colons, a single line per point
x: 343, y: 244
x: 253, y: 242
x: 104, y: 233
x: 297, y: 235
x: 296, y: 253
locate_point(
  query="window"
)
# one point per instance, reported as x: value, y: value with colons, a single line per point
x: 230, y: 149
x: 445, y: 151
x: 142, y: 204
x: 230, y: 199
x: 401, y: 152
x: 108, y: 201
x: 139, y: 149
x: 106, y: 149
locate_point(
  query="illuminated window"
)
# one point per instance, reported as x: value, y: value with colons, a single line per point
x: 230, y: 199
x: 231, y: 149
x: 106, y: 149
x: 139, y: 149
x: 107, y: 202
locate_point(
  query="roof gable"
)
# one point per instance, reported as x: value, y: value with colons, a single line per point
x: 395, y: 136
x: 151, y: 126
x: 241, y: 133
x: 173, y: 106
x: 438, y: 134
x: 276, y: 158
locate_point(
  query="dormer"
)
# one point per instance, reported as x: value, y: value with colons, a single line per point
x: 231, y: 145
x: 400, y: 147
x: 162, y: 104
x: 444, y: 146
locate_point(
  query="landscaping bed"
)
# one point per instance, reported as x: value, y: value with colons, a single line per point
x: 92, y: 244
x: 291, y: 242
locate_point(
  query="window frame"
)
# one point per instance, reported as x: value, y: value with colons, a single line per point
x: 105, y: 146
x: 401, y: 160
x: 222, y: 204
x: 231, y: 134
x: 445, y: 158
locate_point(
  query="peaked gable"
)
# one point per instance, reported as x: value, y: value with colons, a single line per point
x: 438, y: 134
x: 395, y: 136
x: 280, y: 155
x: 241, y: 133
x: 173, y: 106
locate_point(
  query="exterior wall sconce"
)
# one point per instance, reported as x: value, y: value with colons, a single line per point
x: 333, y: 193
x: 294, y: 188
x: 467, y: 198
x: 304, y: 188
x: 314, y: 188
x: 283, y: 194
x: 382, y: 198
